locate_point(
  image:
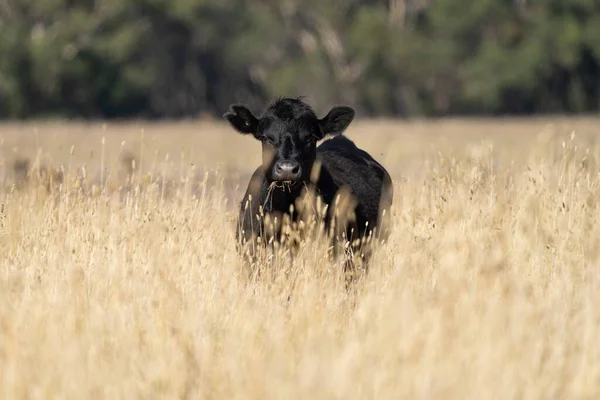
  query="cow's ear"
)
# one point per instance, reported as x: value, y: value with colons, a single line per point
x: 241, y: 119
x: 336, y: 121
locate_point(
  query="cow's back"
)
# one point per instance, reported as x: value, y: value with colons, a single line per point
x: 345, y: 165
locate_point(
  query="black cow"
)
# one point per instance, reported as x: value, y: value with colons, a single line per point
x: 356, y: 189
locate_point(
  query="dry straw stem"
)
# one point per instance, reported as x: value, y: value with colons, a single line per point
x: 487, y: 288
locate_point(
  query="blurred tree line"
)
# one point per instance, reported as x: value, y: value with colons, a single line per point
x: 176, y: 58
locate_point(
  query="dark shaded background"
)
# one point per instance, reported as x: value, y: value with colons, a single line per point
x: 191, y: 58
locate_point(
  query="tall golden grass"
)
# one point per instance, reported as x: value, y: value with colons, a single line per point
x: 119, y: 277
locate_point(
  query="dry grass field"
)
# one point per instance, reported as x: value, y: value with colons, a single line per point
x: 119, y: 277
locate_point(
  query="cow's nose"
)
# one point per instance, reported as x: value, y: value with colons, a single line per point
x: 287, y: 171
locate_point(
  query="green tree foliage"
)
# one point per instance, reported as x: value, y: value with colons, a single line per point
x: 177, y: 58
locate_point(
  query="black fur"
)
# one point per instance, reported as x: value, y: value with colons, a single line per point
x: 289, y: 131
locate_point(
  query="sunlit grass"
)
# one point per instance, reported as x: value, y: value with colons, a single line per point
x: 119, y: 276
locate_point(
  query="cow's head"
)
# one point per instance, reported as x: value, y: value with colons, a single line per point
x: 289, y: 131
